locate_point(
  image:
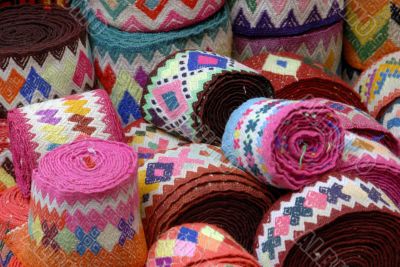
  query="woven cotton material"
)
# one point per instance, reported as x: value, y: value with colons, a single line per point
x: 39, y: 128
x: 6, y: 3
x: 282, y: 18
x: 124, y: 60
x: 373, y: 162
x: 154, y: 16
x: 287, y: 144
x: 294, y: 77
x: 37, y: 43
x: 379, y: 85
x: 196, y: 183
x: 6, y: 165
x: 147, y: 140
x: 391, y: 118
x: 337, y: 220
x: 14, y: 208
x: 193, y: 93
x: 323, y: 45
x: 198, y: 244
x: 349, y: 74
x: 84, y: 209
x: 369, y: 32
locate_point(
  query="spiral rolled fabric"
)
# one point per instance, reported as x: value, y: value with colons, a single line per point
x: 198, y: 244
x: 84, y: 209
x: 192, y: 94
x: 337, y: 220
x: 37, y: 43
x: 369, y: 33
x: 196, y: 183
x: 7, y: 175
x: 41, y: 127
x: 287, y: 144
x: 155, y: 16
x: 147, y: 140
x: 123, y: 60
x: 282, y: 18
x: 295, y: 77
x: 322, y: 45
x: 371, y: 161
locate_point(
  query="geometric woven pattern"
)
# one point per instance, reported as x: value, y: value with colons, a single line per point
x: 5, y: 3
x: 153, y: 16
x: 7, y: 175
x: 147, y: 140
x: 84, y: 207
x: 123, y: 60
x: 198, y: 242
x: 290, y: 224
x: 40, y: 128
x: 391, y: 118
x: 35, y: 76
x: 323, y: 46
x: 369, y: 33
x: 280, y: 18
x: 379, y: 85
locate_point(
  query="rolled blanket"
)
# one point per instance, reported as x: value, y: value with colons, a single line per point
x: 14, y: 208
x: 379, y: 85
x: 156, y: 16
x: 369, y: 32
x: 6, y: 166
x: 196, y: 183
x: 338, y: 221
x: 295, y: 77
x: 193, y: 93
x: 280, y: 18
x: 124, y: 60
x: 373, y: 162
x: 38, y: 43
x: 198, y: 244
x: 322, y: 45
x: 287, y: 144
x: 391, y: 118
x: 5, y: 3
x: 93, y: 217
x: 362, y: 124
x: 39, y: 128
x: 147, y: 140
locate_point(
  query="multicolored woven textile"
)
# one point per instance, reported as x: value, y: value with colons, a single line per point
x: 379, y: 85
x: 283, y: 17
x: 362, y: 124
x: 39, y: 128
x: 147, y: 140
x: 196, y: 183
x: 198, y: 244
x: 14, y: 208
x: 5, y: 3
x: 369, y: 33
x: 84, y: 209
x: 373, y: 162
x: 45, y: 42
x: 154, y: 16
x: 334, y: 222
x: 295, y: 77
x: 193, y: 93
x: 349, y: 74
x: 391, y: 118
x: 123, y: 60
x: 323, y: 45
x: 6, y: 165
x: 287, y: 144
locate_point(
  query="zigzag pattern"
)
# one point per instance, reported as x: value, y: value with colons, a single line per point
x: 155, y: 16
x: 283, y: 17
x: 322, y: 46
x: 33, y: 82
x: 391, y: 118
x: 182, y: 160
x: 349, y: 187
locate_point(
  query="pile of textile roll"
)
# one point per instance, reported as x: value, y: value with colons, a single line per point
x: 179, y: 133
